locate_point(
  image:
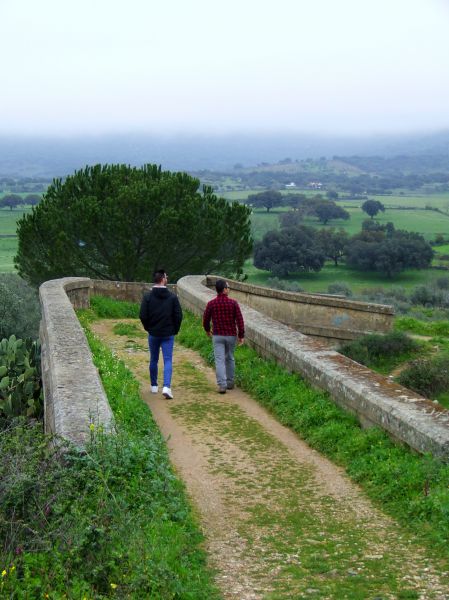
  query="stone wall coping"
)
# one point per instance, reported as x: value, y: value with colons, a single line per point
x: 73, y: 392
x: 323, y: 299
x: 376, y: 400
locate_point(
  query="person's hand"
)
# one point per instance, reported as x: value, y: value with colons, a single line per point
x: 209, y: 333
x: 241, y: 341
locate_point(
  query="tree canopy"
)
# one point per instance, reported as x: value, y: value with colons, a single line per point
x: 372, y: 207
x: 388, y: 251
x: 122, y: 223
x: 333, y: 243
x: 268, y: 199
x: 289, y: 250
x: 328, y: 210
x: 11, y: 201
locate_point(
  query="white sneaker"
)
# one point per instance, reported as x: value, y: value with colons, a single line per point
x: 166, y: 392
x: 154, y: 389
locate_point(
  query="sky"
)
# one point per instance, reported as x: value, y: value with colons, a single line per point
x: 330, y: 67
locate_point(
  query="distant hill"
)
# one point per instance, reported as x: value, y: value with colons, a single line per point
x: 50, y: 157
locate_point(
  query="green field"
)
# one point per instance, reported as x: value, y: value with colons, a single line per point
x: 426, y: 222
x: 8, y: 245
x: 356, y: 280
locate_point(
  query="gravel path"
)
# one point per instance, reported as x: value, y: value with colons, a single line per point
x: 280, y: 520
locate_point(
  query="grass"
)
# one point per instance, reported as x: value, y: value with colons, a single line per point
x: 412, y: 488
x: 357, y: 280
x: 426, y: 222
x: 8, y: 249
x: 419, y: 327
x: 113, y: 522
x: 304, y: 537
x: 8, y: 245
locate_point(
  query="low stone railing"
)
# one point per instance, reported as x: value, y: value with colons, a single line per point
x: 374, y: 399
x: 74, y: 396
x: 73, y: 393
x: 324, y: 316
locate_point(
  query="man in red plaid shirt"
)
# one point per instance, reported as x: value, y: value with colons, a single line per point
x: 227, y: 323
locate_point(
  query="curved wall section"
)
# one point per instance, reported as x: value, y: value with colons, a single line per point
x: 375, y: 400
x: 323, y: 316
x: 73, y: 393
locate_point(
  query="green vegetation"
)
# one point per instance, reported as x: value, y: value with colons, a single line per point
x: 414, y: 489
x: 19, y: 308
x: 107, y: 308
x: 109, y: 522
x: 357, y: 281
x: 382, y: 353
x: 122, y: 223
x: 20, y: 378
x: 417, y: 326
x: 428, y: 377
x: 127, y: 329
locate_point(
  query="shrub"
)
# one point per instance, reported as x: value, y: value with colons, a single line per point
x: 20, y: 380
x: 340, y: 287
x: 427, y: 376
x: 442, y: 283
x: 370, y: 350
x: 430, y: 296
x: 288, y: 286
x: 19, y: 308
x: 109, y: 522
x: 395, y: 296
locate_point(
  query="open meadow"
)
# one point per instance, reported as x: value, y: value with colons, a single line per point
x: 8, y: 239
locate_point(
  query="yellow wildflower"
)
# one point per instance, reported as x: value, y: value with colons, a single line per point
x: 4, y: 573
x: 92, y: 427
x: 113, y: 586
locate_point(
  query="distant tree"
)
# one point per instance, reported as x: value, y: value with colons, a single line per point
x: 122, y: 223
x: 294, y: 200
x: 32, y: 199
x: 291, y: 219
x: 372, y: 207
x: 333, y: 242
x: 326, y: 211
x: 11, y: 201
x: 268, y: 199
x: 332, y: 195
x: 288, y: 251
x: 389, y: 252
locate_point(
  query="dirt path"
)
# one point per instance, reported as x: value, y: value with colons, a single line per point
x: 280, y: 520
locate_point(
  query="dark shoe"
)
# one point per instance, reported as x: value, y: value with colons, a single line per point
x: 230, y: 386
x: 222, y: 390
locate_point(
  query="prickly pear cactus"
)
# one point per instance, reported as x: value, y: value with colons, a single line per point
x: 20, y: 378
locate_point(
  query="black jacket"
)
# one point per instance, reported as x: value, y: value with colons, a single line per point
x: 160, y: 312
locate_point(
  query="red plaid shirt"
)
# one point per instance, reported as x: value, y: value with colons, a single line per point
x: 226, y: 317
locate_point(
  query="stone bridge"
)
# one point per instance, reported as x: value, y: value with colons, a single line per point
x: 74, y: 396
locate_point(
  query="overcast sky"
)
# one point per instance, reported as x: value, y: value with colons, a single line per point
x: 215, y: 66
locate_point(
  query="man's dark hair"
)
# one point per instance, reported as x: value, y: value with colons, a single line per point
x: 158, y: 276
x: 220, y: 285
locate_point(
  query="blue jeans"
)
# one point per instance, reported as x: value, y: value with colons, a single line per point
x: 155, y: 344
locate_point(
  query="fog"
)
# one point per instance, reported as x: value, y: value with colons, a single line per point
x: 209, y: 67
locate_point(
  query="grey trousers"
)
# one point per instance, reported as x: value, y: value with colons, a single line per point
x: 224, y: 346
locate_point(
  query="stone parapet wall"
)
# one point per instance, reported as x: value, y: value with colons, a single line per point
x: 320, y: 315
x: 73, y: 393
x: 374, y: 399
x: 123, y: 290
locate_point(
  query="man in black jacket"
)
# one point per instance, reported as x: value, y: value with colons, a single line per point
x: 161, y: 316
